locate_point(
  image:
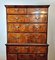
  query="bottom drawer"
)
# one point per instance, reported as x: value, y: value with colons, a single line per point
x: 26, y: 57
x: 12, y: 57
x: 41, y: 57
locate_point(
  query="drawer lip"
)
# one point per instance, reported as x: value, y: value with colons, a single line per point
x: 26, y: 44
x: 29, y: 22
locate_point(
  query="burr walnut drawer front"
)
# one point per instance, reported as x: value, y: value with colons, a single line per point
x: 42, y: 49
x: 16, y: 18
x: 37, y: 10
x: 27, y: 49
x: 26, y: 56
x: 16, y: 10
x: 41, y: 57
x: 12, y: 49
x: 32, y: 57
x: 21, y: 57
x: 17, y: 49
x: 11, y: 56
x: 21, y: 49
x: 36, y: 49
x: 26, y: 38
x: 26, y: 18
x: 35, y: 18
x: 26, y: 27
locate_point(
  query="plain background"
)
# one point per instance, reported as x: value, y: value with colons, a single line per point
x: 51, y: 24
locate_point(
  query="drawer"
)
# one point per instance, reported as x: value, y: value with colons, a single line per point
x: 32, y: 49
x: 41, y: 38
x: 42, y: 49
x: 12, y: 57
x: 41, y: 57
x: 16, y: 27
x: 36, y: 10
x: 22, y: 49
x: 26, y: 56
x: 26, y: 27
x: 36, y: 38
x: 12, y: 49
x: 34, y: 18
x: 13, y: 37
x: 16, y: 18
x: 17, y: 49
x: 17, y: 38
x: 37, y: 49
x: 26, y: 18
x: 27, y: 49
x: 26, y: 38
x: 16, y: 10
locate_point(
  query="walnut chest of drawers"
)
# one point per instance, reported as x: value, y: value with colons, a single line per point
x: 27, y: 32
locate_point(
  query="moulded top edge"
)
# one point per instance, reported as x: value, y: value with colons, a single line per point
x: 27, y: 44
x: 27, y: 6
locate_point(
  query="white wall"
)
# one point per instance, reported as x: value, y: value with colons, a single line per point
x: 51, y: 32
x: 51, y: 25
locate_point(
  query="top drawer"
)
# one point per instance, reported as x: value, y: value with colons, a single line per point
x: 27, y: 10
x: 16, y: 10
x: 37, y: 10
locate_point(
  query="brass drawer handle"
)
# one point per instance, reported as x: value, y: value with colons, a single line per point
x: 17, y: 37
x: 27, y: 16
x: 41, y: 55
x: 37, y: 17
x: 37, y: 26
x: 17, y: 26
x: 16, y: 18
x: 16, y: 10
x: 27, y: 24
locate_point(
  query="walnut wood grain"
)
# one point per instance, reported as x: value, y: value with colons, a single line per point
x: 26, y: 18
x: 16, y: 10
x: 27, y: 32
x: 26, y: 38
x: 26, y: 27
